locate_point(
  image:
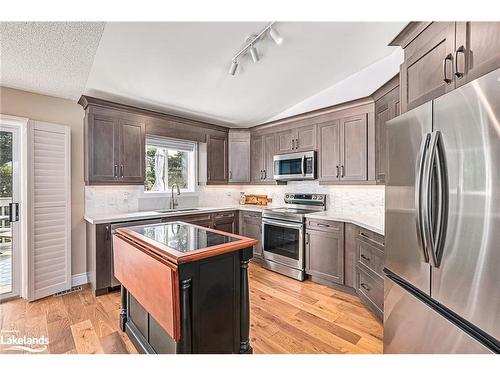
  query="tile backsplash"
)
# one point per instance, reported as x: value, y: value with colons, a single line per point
x: 121, y: 199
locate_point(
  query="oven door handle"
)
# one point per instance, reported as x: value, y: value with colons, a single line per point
x: 282, y: 224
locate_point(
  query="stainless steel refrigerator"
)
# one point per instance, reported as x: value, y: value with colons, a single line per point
x: 442, y: 267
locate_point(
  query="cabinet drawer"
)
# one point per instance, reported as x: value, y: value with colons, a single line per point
x: 373, y: 238
x: 252, y: 214
x: 370, y: 256
x: 324, y: 225
x: 370, y: 288
x: 224, y: 217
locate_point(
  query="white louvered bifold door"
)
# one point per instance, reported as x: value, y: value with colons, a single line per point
x: 50, y: 209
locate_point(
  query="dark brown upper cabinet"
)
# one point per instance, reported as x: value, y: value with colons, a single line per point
x: 387, y: 106
x: 217, y: 165
x: 346, y: 147
x: 354, y: 148
x: 427, y: 70
x: 114, y: 147
x: 477, y: 50
x: 329, y: 155
x: 296, y: 139
x: 441, y: 56
x: 262, y: 150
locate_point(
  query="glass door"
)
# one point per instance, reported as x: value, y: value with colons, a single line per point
x: 9, y: 211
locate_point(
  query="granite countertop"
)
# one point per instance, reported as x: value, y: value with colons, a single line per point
x: 144, y: 215
x: 373, y: 222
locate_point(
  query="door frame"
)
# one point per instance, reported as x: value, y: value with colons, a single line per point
x: 18, y: 126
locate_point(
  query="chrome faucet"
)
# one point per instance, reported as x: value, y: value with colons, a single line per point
x: 173, y: 202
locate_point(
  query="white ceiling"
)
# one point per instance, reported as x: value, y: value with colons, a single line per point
x: 182, y: 67
x: 52, y: 58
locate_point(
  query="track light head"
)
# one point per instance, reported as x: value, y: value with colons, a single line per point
x: 234, y: 66
x: 254, y: 54
x: 278, y: 39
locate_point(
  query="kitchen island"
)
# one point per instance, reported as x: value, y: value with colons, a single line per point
x: 184, y: 288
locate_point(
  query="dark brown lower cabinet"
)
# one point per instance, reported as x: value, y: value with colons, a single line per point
x: 226, y: 221
x: 251, y: 226
x: 325, y: 251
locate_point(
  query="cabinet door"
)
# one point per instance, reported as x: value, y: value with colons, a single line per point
x: 305, y: 138
x: 350, y: 244
x: 269, y: 151
x: 256, y: 159
x: 354, y: 148
x: 285, y: 141
x: 382, y: 115
x: 325, y: 255
x: 422, y: 72
x: 216, y: 159
x: 477, y: 50
x: 239, y: 160
x: 132, y: 154
x: 329, y: 151
x: 102, y: 149
x: 252, y: 227
x: 226, y: 222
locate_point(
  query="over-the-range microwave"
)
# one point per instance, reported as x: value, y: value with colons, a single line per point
x: 295, y: 166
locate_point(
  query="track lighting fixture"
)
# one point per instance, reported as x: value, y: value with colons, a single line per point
x: 254, y: 54
x: 234, y: 66
x: 278, y: 39
x: 250, y: 46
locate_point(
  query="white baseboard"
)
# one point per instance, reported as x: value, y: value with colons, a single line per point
x: 79, y: 279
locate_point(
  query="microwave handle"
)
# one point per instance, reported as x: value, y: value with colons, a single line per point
x: 302, y: 168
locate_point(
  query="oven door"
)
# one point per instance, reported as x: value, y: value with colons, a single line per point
x: 283, y: 242
x: 296, y: 166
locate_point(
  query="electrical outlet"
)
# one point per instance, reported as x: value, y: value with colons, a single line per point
x: 125, y: 196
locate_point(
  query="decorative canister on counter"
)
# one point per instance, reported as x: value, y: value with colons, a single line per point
x: 242, y: 197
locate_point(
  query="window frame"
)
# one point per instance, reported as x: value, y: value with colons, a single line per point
x: 176, y: 144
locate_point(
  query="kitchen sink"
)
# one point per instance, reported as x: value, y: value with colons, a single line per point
x: 177, y: 210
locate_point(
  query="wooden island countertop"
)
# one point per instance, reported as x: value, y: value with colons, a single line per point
x: 184, y: 288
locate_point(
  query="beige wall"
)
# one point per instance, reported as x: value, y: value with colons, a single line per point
x: 66, y: 112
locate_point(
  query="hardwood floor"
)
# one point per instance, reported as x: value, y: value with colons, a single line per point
x: 287, y: 316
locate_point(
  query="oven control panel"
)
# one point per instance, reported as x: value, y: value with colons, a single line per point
x: 305, y: 198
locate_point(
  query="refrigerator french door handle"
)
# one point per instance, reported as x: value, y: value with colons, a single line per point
x: 439, y: 232
x: 435, y: 235
x: 418, y: 197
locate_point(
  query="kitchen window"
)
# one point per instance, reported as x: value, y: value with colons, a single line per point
x: 169, y: 162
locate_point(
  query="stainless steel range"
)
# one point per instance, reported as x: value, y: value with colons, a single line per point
x: 283, y: 233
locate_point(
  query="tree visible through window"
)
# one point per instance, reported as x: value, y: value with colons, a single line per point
x: 168, y: 163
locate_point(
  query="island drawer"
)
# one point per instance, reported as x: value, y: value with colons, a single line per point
x: 324, y: 225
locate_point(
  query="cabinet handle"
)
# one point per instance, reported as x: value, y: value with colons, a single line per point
x: 337, y: 167
x: 265, y: 174
x: 365, y: 257
x: 365, y: 286
x: 296, y: 143
x: 342, y: 171
x: 461, y: 50
x: 323, y: 225
x: 115, y: 171
x: 230, y: 175
x: 107, y: 232
x: 121, y: 171
x: 445, y: 68
x: 364, y: 235
x: 293, y: 144
x: 307, y: 238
